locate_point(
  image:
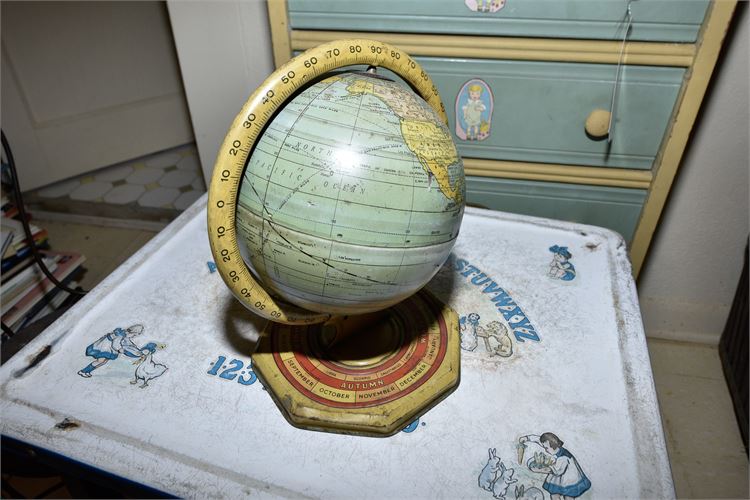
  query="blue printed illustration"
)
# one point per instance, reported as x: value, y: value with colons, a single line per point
x: 412, y: 427
x: 468, y: 328
x: 492, y: 323
x: 563, y: 476
x: 561, y: 268
x: 234, y: 369
x: 474, y: 104
x: 485, y: 5
x: 118, y: 342
x: 495, y: 338
x: 498, y: 298
x: 495, y: 477
x: 147, y: 368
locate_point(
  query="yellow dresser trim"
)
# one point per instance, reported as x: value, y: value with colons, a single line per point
x: 529, y: 49
x: 279, y: 22
x: 593, y: 176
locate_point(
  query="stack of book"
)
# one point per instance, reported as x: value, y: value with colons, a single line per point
x: 27, y: 294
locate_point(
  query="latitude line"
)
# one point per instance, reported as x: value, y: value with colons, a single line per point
x: 333, y: 144
x: 396, y: 209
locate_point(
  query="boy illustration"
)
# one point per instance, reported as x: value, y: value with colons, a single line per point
x: 561, y: 267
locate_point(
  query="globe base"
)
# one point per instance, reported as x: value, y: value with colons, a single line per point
x: 369, y: 375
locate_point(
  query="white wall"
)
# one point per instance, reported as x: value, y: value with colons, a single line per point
x: 694, y: 264
x: 225, y: 52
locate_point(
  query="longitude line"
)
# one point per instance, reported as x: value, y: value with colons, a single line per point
x: 273, y: 168
x: 408, y: 226
x: 338, y: 194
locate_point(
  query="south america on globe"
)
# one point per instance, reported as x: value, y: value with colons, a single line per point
x: 352, y: 198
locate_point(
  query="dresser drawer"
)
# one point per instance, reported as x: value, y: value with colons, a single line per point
x: 653, y: 20
x: 614, y: 208
x: 539, y: 110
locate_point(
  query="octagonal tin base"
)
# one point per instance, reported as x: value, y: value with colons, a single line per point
x: 367, y: 376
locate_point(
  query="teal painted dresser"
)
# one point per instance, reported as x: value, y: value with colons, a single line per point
x: 569, y: 109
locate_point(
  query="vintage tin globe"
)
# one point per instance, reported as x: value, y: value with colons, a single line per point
x: 352, y: 198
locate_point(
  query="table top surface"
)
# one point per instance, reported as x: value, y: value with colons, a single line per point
x: 552, y: 345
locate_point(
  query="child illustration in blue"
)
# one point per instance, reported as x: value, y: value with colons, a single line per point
x: 110, y: 346
x: 561, y: 268
x: 565, y: 478
x: 468, y: 331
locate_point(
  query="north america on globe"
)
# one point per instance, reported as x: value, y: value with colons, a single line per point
x: 352, y: 198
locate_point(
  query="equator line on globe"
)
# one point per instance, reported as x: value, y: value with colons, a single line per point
x: 323, y: 217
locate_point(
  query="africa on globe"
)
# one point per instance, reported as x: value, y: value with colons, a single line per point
x: 352, y: 198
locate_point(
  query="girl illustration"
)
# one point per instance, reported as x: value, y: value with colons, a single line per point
x: 468, y: 327
x: 110, y: 346
x: 565, y: 478
x: 561, y: 268
x: 473, y: 110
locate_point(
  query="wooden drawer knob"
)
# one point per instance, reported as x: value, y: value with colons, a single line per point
x: 597, y: 123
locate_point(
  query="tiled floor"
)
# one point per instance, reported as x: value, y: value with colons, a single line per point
x: 155, y: 187
x: 705, y: 449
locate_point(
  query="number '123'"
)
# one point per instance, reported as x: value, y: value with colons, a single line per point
x: 229, y: 371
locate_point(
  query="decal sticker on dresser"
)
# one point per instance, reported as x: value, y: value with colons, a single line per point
x: 474, y: 104
x: 485, y: 5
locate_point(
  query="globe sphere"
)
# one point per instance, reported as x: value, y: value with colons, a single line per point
x: 352, y: 198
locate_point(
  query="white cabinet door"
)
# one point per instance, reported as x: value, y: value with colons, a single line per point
x: 88, y: 84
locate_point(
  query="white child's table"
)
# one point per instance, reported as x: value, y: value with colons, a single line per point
x: 552, y: 344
